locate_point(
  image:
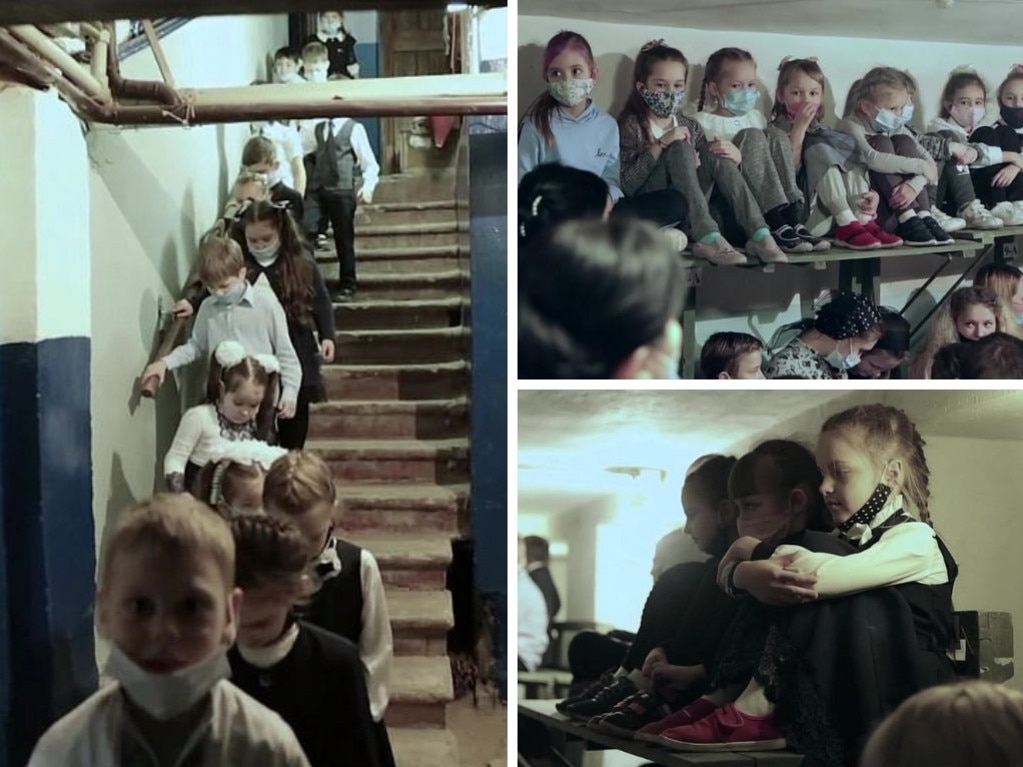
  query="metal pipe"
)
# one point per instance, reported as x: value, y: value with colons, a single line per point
x: 100, y: 52
x: 157, y: 48
x: 135, y: 89
x: 46, y: 49
x: 25, y: 62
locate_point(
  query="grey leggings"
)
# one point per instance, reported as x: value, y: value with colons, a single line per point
x: 768, y: 167
x: 955, y: 185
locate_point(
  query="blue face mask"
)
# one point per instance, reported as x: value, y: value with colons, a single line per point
x: 841, y: 361
x: 887, y: 121
x: 907, y: 114
x: 1019, y: 319
x: 231, y: 297
x: 740, y: 101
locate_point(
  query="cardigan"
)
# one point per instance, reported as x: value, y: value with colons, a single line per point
x: 635, y: 158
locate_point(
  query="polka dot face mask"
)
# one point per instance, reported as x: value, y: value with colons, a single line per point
x: 874, y: 504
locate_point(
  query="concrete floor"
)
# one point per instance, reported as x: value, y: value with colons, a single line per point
x: 481, y: 730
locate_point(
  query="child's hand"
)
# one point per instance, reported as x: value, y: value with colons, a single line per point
x: 365, y: 195
x: 327, y: 350
x: 902, y: 196
x: 286, y: 409
x: 769, y: 581
x: 678, y: 133
x: 967, y: 155
x: 804, y: 117
x: 869, y: 202
x: 654, y: 658
x: 183, y: 309
x: 157, y: 370
x: 727, y: 150
x: 930, y: 173
x: 1005, y: 176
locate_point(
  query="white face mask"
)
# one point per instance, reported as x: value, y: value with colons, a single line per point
x: 267, y: 254
x: 163, y: 696
x: 841, y: 361
x: 967, y: 116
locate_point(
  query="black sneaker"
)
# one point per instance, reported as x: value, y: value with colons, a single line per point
x: 589, y: 691
x: 941, y: 237
x: 915, y: 234
x: 603, y: 701
x: 344, y: 295
x: 789, y: 241
x: 817, y: 243
x: 630, y: 715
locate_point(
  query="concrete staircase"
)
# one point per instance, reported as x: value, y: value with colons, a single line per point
x: 395, y: 432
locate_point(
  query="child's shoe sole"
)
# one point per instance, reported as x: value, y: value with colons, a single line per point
x: 742, y: 745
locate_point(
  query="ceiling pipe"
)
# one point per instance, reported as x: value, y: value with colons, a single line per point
x: 48, y: 50
x: 100, y: 52
x: 148, y: 90
x: 31, y: 69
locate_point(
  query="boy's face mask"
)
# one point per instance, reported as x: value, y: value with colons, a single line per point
x: 166, y: 695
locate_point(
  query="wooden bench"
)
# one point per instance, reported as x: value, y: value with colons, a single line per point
x: 575, y: 734
x: 545, y: 683
x: 859, y: 271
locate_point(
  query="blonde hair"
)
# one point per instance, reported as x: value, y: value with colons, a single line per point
x: 297, y: 482
x: 786, y: 73
x: 943, y: 329
x: 1000, y: 279
x: 868, y: 87
x: 314, y: 52
x: 956, y: 725
x: 219, y: 259
x: 887, y: 434
x: 172, y: 524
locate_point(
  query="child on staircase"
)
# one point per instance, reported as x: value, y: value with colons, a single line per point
x: 350, y: 600
x: 311, y: 677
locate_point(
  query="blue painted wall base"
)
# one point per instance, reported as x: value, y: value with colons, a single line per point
x: 47, y: 539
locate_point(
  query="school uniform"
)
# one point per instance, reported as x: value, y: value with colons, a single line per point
x: 532, y: 624
x: 351, y: 603
x: 288, y: 145
x: 340, y: 51
x: 336, y: 150
x: 303, y: 331
x: 1007, y: 139
x: 236, y: 729
x: 314, y: 680
x: 257, y: 321
x: 198, y: 440
x: 588, y: 142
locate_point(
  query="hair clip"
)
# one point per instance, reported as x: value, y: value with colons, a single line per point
x: 522, y: 230
x: 536, y: 204
x: 790, y: 59
x: 268, y: 362
x: 1017, y: 69
x: 282, y: 205
x: 783, y: 62
x: 964, y: 69
x: 651, y: 44
x: 229, y: 354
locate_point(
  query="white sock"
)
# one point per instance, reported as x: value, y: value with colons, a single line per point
x: 906, y: 215
x: 844, y: 217
x: 925, y: 214
x: 620, y: 673
x: 636, y: 677
x: 753, y: 701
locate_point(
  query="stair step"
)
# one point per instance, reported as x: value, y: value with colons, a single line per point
x: 390, y: 207
x: 420, y: 689
x: 414, y: 285
x: 399, y: 382
x: 406, y: 236
x: 388, y: 314
x: 405, y: 213
x: 402, y: 507
x: 417, y: 747
x: 385, y: 230
x: 423, y: 419
x: 443, y: 461
x: 417, y: 561
x: 420, y: 621
x: 401, y: 346
x: 398, y: 187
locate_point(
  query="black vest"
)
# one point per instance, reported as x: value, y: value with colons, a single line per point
x: 931, y: 605
x: 334, y: 158
x: 337, y: 606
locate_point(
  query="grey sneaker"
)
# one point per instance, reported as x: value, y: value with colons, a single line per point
x: 676, y: 239
x: 979, y: 217
x: 718, y: 252
x: 767, y: 251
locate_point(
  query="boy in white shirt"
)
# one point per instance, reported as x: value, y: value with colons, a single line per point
x: 171, y: 702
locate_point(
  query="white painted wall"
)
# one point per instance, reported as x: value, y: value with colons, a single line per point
x: 153, y: 192
x: 752, y: 301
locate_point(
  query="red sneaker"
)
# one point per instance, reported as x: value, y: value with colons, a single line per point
x: 688, y: 714
x: 888, y: 240
x: 727, y: 729
x: 855, y: 236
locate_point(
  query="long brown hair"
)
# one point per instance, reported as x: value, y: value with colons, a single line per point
x: 294, y: 286
x: 1016, y: 73
x: 715, y: 64
x: 544, y: 105
x: 956, y: 81
x: 652, y: 53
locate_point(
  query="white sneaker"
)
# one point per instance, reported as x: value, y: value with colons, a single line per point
x: 979, y: 217
x: 946, y: 222
x: 676, y: 238
x: 1009, y: 213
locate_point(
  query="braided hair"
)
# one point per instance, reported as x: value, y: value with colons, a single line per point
x: 271, y: 553
x: 715, y: 64
x: 887, y: 434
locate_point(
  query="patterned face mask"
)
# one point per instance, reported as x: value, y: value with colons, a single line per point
x: 570, y: 93
x: 663, y: 103
x: 874, y: 504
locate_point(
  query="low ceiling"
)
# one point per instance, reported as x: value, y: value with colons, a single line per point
x: 986, y: 22
x: 568, y: 439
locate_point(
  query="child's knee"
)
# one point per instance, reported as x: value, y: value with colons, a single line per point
x: 904, y: 145
x: 680, y: 150
x: 750, y: 137
x: 882, y: 143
